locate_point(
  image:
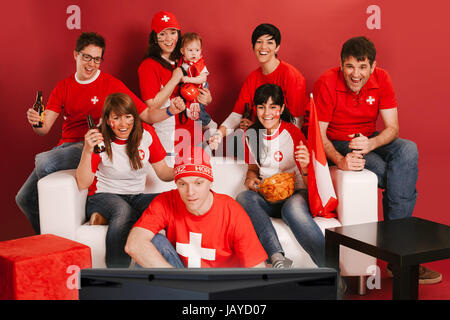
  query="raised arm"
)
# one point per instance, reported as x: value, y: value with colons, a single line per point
x: 49, y: 119
x: 163, y: 171
x: 84, y: 174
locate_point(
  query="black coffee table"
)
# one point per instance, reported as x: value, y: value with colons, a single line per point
x: 404, y: 243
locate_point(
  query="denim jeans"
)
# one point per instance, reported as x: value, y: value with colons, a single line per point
x: 295, y: 213
x: 204, y: 116
x: 167, y: 250
x: 396, y: 166
x: 63, y: 157
x: 122, y: 211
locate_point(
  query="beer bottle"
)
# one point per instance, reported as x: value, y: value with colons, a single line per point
x: 39, y: 108
x: 99, y: 148
x: 357, y: 135
x: 247, y: 112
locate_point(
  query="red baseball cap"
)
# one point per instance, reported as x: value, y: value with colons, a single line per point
x: 194, y: 162
x: 163, y: 20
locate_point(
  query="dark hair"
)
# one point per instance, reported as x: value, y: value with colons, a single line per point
x: 266, y: 29
x: 360, y: 48
x: 88, y: 38
x: 262, y: 95
x: 120, y: 104
x: 154, y: 51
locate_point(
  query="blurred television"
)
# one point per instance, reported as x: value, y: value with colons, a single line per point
x: 208, y: 284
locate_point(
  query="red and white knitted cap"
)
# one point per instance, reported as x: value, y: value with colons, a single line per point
x: 163, y: 20
x: 194, y: 162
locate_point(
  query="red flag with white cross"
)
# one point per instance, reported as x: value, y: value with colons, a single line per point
x: 322, y: 197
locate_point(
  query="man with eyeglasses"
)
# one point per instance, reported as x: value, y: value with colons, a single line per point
x: 75, y: 97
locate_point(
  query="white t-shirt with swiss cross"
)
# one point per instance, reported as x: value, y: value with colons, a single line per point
x: 117, y: 176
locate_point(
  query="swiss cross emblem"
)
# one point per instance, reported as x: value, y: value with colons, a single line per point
x: 194, y: 251
x: 165, y: 18
x: 278, y: 156
x: 370, y: 100
x: 94, y: 100
x: 141, y: 154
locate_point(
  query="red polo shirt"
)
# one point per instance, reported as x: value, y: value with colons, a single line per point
x: 348, y: 113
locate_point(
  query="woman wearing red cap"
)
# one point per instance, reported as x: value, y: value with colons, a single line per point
x: 159, y: 78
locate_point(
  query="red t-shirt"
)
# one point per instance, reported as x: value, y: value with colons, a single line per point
x: 223, y: 237
x: 348, y: 113
x: 78, y: 99
x: 287, y: 77
x: 152, y: 78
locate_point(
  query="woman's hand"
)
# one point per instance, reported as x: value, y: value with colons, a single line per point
x: 91, y: 139
x: 245, y: 124
x: 252, y: 183
x: 215, y: 140
x: 302, y: 157
x: 176, y: 105
x: 204, y: 96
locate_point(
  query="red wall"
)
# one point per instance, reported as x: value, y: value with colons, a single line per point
x: 412, y: 45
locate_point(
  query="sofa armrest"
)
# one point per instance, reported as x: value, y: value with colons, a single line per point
x: 61, y: 204
x: 357, y: 193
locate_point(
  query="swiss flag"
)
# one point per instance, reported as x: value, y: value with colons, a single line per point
x: 322, y: 197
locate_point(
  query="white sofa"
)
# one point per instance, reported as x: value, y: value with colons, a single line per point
x: 62, y: 211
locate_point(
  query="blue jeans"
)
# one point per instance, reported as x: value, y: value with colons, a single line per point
x: 396, y: 166
x: 167, y: 250
x: 63, y: 157
x: 295, y: 213
x: 122, y: 211
x: 204, y: 116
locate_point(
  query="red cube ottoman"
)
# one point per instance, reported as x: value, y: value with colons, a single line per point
x: 41, y: 267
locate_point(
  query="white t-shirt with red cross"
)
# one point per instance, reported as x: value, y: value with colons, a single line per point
x: 277, y: 152
x: 116, y: 175
x: 223, y: 237
x: 77, y: 99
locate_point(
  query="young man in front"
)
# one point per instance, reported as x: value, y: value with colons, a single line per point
x: 203, y: 228
x: 349, y: 99
x: 266, y: 39
x: 82, y: 93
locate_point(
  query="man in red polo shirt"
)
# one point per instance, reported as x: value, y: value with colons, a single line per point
x: 349, y: 99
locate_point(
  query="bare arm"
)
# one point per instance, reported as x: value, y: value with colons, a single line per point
x: 352, y: 161
x: 153, y: 116
x: 252, y: 180
x: 163, y: 171
x: 49, y: 119
x: 303, y: 158
x: 140, y: 247
x: 391, y: 128
x: 197, y: 80
x: 154, y: 113
x: 84, y: 174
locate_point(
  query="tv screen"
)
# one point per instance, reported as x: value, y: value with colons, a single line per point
x: 208, y: 284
